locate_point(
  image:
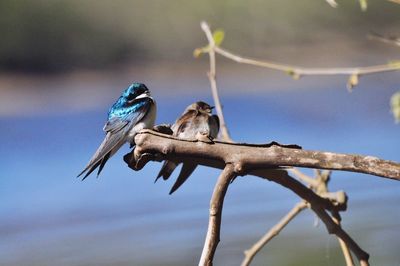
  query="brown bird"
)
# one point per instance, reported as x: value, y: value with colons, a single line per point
x: 197, y: 118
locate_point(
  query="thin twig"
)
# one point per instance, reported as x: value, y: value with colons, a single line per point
x: 302, y: 71
x: 385, y: 39
x: 212, y: 77
x: 303, y: 177
x: 345, y: 249
x: 320, y: 185
x: 296, y: 71
x: 332, y: 3
x: 274, y: 231
x: 214, y: 222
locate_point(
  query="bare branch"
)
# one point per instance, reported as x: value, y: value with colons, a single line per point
x: 332, y: 3
x: 251, y: 157
x: 303, y: 177
x: 214, y: 223
x: 345, y: 249
x: 212, y: 77
x: 258, y: 160
x: 385, y: 39
x: 301, y: 71
x: 395, y: 1
x: 320, y: 185
x: 295, y: 71
x: 274, y: 231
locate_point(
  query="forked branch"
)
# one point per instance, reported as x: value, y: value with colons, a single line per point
x: 244, y: 159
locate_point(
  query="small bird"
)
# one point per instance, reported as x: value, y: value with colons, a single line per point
x: 133, y: 111
x: 196, y: 118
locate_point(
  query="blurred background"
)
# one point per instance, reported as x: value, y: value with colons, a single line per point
x: 64, y: 63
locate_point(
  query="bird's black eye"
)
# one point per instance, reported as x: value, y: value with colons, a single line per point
x: 131, y: 96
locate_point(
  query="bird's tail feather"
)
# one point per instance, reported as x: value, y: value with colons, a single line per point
x: 110, y: 144
x: 186, y: 171
x: 166, y: 170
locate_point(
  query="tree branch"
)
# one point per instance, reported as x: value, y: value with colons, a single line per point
x: 214, y: 223
x: 274, y: 231
x: 345, y: 249
x: 296, y: 71
x: 212, y: 77
x: 302, y: 71
x: 257, y: 160
x: 385, y: 39
x: 252, y: 157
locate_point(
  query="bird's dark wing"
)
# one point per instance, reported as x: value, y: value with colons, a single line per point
x: 183, y: 122
x: 116, y: 129
x: 214, y: 126
x: 116, y: 123
x: 186, y: 171
x: 111, y: 141
x: 178, y: 127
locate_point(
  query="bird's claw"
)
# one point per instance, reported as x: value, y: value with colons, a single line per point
x: 204, y: 137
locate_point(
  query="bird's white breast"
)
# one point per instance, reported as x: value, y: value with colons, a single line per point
x: 146, y: 122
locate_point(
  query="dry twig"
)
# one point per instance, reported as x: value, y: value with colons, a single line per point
x: 296, y: 72
x: 318, y: 185
x: 212, y: 77
x: 274, y: 231
x: 258, y: 160
x: 385, y: 39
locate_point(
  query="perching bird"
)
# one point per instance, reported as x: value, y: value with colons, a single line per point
x: 133, y: 111
x: 196, y: 118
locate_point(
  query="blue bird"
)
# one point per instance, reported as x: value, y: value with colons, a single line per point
x: 133, y: 111
x: 196, y: 119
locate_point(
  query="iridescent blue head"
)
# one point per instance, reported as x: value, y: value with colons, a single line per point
x: 134, y: 90
x: 134, y: 97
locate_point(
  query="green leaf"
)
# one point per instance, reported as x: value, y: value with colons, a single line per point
x: 363, y: 5
x: 395, y: 104
x: 218, y: 37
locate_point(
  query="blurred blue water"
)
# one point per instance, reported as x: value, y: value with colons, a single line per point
x: 48, y: 216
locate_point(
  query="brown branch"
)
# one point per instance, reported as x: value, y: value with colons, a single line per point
x: 251, y: 157
x: 345, y: 249
x: 257, y: 160
x: 214, y: 222
x: 320, y: 186
x: 212, y: 77
x: 274, y: 231
x: 334, y: 228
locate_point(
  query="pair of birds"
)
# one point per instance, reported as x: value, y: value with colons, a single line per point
x: 136, y: 110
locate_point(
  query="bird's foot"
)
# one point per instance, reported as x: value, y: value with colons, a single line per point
x: 204, y: 137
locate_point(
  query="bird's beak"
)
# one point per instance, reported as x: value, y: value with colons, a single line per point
x: 212, y: 107
x: 144, y: 95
